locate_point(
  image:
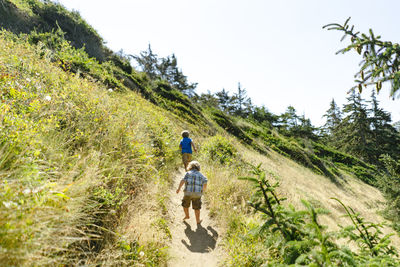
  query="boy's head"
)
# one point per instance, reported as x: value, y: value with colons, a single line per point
x: 185, y: 133
x: 194, y: 165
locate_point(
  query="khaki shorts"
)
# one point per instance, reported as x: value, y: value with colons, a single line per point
x: 195, y: 199
x: 186, y: 158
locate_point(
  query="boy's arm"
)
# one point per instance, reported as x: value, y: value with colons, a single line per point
x: 194, y: 147
x: 180, y: 186
x: 205, y: 180
x: 204, y: 187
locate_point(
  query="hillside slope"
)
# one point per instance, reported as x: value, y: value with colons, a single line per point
x: 44, y: 16
x: 73, y: 155
x: 87, y: 171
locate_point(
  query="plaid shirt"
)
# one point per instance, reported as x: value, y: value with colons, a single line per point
x: 194, y: 181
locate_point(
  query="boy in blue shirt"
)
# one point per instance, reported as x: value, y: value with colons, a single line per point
x: 186, y: 146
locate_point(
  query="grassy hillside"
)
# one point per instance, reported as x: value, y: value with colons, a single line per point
x: 22, y: 16
x: 318, y: 157
x: 248, y: 245
x: 72, y: 155
x: 88, y: 147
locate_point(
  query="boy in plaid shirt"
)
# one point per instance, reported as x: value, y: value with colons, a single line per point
x: 195, y: 185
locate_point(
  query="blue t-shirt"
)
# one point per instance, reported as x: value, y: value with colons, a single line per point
x: 186, y: 144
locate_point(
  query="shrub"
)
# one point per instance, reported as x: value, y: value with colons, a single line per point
x: 219, y: 148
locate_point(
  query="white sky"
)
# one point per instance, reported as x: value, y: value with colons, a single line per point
x: 277, y: 50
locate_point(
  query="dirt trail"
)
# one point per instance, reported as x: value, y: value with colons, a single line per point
x: 191, y: 244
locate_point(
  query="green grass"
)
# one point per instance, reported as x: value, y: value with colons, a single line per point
x: 47, y: 16
x: 72, y: 156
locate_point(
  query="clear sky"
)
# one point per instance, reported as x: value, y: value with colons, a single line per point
x: 277, y: 50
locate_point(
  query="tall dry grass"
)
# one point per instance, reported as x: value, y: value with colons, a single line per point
x: 74, y: 158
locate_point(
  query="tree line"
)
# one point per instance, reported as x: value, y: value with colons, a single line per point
x: 360, y: 128
x: 164, y: 69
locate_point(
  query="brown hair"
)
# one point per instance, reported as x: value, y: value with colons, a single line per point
x: 185, y: 133
x: 194, y: 165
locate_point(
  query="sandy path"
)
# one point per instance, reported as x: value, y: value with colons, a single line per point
x: 191, y: 244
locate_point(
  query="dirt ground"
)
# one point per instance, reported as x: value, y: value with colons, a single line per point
x: 192, y: 244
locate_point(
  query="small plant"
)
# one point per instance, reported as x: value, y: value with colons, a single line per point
x: 367, y: 235
x: 297, y: 237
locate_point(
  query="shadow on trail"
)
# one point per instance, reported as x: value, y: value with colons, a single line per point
x: 202, y: 240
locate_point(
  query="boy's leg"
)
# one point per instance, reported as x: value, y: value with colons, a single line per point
x: 186, y: 211
x: 186, y: 158
x: 196, y: 204
x: 186, y: 205
x: 197, y: 214
x: 189, y: 159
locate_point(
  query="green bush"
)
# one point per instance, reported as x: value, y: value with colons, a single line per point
x: 220, y: 149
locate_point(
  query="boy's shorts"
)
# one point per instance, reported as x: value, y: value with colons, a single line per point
x: 196, y: 201
x: 186, y: 158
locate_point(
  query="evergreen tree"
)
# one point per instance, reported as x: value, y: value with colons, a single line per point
x: 240, y: 100
x: 247, y: 108
x: 148, y: 62
x: 166, y: 69
x: 225, y: 102
x: 355, y: 134
x: 289, y: 119
x: 305, y: 129
x: 381, y: 59
x: 295, y: 125
x: 169, y: 71
x: 396, y: 125
x: 333, y: 119
x: 385, y: 138
x: 207, y: 99
x: 263, y: 115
